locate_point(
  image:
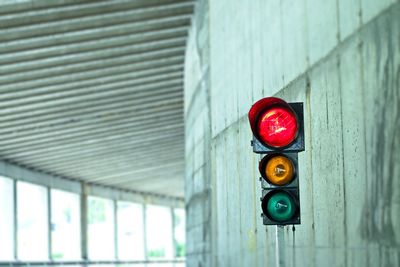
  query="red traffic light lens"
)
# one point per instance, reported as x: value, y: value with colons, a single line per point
x: 277, y: 126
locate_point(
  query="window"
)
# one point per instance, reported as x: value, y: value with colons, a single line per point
x: 179, y: 232
x: 32, y: 219
x: 65, y: 225
x: 6, y: 219
x: 101, y: 229
x: 159, y: 232
x: 130, y: 231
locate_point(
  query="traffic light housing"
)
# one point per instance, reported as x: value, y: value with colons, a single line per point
x: 278, y: 136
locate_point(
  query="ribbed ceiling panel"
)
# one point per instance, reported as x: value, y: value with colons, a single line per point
x: 93, y: 90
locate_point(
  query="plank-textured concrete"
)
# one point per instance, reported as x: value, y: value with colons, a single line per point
x: 341, y: 58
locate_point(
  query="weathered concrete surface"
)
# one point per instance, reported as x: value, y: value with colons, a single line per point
x: 341, y: 58
x: 198, y: 142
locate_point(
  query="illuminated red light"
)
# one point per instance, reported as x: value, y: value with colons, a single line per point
x: 277, y: 126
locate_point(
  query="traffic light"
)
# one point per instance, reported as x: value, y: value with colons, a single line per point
x: 278, y: 136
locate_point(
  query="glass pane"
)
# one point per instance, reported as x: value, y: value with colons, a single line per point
x: 179, y: 232
x: 100, y: 228
x: 32, y: 222
x: 6, y: 219
x: 65, y: 225
x: 130, y: 231
x: 159, y: 232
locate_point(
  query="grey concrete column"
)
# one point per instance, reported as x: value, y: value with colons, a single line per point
x: 15, y: 219
x: 50, y: 244
x: 115, y: 229
x: 145, y: 233
x: 84, y: 222
x: 173, y: 234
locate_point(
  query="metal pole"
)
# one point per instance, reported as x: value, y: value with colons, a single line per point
x: 279, y: 246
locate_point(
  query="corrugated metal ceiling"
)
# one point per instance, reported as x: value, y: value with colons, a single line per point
x: 93, y: 90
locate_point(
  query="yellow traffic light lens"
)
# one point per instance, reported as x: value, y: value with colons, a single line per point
x: 279, y: 170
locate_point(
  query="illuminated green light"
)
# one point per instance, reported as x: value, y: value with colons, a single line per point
x: 280, y: 207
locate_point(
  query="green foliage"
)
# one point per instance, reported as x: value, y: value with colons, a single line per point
x: 156, y: 253
x: 180, y: 250
x: 57, y: 256
x: 96, y: 211
x: 67, y: 214
x: 177, y: 219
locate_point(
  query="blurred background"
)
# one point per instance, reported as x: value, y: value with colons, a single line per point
x: 92, y: 136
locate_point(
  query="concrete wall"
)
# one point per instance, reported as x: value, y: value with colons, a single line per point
x: 198, y: 141
x: 341, y: 58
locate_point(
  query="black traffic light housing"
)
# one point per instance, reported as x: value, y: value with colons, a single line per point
x: 268, y: 188
x: 280, y: 201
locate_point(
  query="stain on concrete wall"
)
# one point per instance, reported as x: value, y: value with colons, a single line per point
x: 380, y: 51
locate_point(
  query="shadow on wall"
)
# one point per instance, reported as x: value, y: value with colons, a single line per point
x: 382, y: 207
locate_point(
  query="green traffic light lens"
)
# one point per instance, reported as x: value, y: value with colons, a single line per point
x: 280, y: 207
